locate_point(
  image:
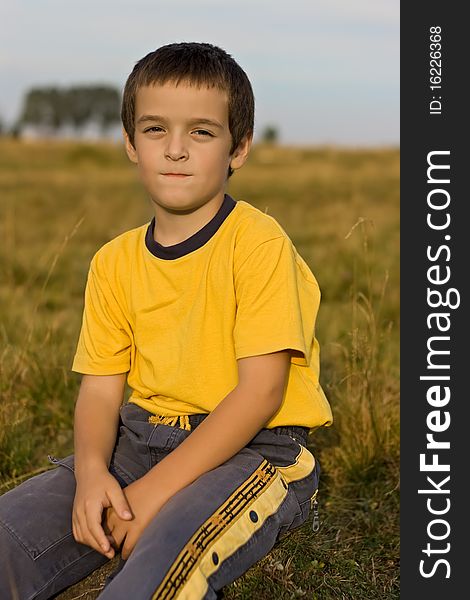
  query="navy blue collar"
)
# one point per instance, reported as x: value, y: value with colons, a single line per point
x: 194, y: 242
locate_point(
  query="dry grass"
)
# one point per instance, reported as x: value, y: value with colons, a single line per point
x: 62, y: 201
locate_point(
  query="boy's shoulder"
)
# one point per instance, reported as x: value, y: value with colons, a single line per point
x: 255, y: 227
x: 119, y: 248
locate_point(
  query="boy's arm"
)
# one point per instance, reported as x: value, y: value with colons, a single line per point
x: 226, y: 430
x: 95, y: 429
x: 96, y: 420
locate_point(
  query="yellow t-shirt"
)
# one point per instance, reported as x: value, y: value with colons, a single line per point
x: 177, y: 318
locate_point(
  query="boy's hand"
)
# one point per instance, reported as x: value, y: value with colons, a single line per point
x: 97, y: 490
x: 144, y: 507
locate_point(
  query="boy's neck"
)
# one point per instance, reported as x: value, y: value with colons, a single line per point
x: 172, y: 228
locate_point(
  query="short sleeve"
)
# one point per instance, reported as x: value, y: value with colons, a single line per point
x: 277, y: 303
x: 104, y: 344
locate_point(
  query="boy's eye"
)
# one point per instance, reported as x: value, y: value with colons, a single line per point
x: 203, y: 131
x: 152, y: 129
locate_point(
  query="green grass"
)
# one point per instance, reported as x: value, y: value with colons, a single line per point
x: 61, y: 201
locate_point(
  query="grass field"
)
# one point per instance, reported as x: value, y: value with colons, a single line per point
x: 61, y: 201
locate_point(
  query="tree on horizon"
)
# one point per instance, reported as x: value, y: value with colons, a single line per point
x: 49, y: 109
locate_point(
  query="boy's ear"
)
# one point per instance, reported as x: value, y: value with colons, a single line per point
x: 130, y: 150
x: 241, y: 153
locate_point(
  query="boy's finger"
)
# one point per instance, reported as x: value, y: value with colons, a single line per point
x: 127, y: 548
x: 78, y: 532
x: 97, y: 532
x: 86, y: 538
x: 120, y: 505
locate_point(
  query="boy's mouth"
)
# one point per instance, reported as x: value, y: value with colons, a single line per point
x: 176, y: 174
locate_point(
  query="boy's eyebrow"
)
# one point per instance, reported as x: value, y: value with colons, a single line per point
x: 145, y: 118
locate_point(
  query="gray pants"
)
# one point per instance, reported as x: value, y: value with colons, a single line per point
x: 206, y: 536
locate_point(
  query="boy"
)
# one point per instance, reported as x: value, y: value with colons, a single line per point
x: 209, y: 312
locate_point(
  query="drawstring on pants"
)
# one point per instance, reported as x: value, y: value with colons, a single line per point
x: 181, y: 421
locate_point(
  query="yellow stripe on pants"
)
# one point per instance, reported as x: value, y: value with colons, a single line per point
x: 231, y: 527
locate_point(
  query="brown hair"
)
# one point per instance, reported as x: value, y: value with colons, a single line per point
x: 199, y: 64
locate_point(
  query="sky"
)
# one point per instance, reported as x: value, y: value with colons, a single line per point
x: 322, y: 72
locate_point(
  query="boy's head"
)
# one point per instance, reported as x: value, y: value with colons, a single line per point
x: 199, y: 65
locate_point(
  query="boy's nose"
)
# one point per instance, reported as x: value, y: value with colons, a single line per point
x: 176, y: 148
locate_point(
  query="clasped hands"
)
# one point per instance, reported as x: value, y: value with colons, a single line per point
x: 108, y: 518
x: 124, y: 532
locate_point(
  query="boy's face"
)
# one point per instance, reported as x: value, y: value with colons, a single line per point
x: 172, y: 137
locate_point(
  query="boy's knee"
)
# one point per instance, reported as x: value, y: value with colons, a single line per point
x: 36, y: 515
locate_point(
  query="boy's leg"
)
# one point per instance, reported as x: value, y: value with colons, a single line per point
x: 38, y: 553
x: 39, y: 556
x: 215, y: 529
